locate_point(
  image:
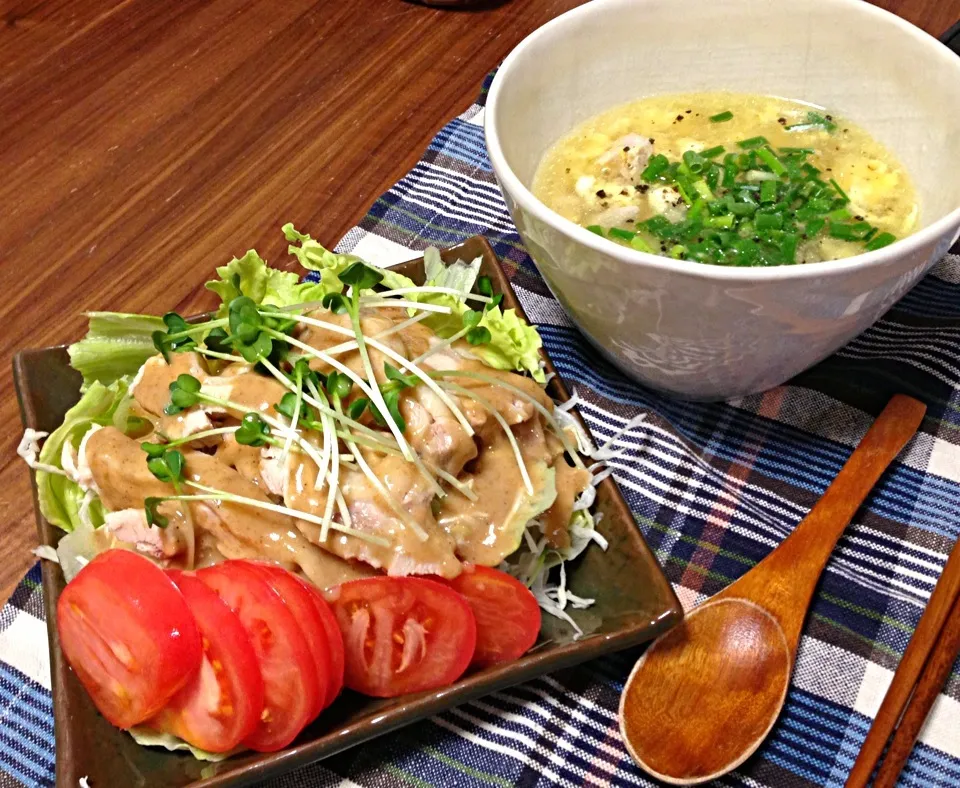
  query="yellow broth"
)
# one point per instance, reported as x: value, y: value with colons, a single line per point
x: 594, y: 176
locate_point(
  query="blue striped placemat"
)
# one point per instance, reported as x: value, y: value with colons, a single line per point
x: 714, y: 487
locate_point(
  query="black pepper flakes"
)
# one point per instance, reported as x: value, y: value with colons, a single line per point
x: 689, y: 111
x: 601, y: 193
x: 652, y: 140
x: 858, y: 218
x: 624, y: 192
x: 782, y: 121
x: 642, y: 188
x: 568, y: 170
x: 626, y: 148
x: 679, y: 117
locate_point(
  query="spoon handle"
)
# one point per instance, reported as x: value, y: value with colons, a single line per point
x: 784, y: 581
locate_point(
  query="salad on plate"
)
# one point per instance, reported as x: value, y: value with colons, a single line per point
x: 350, y: 481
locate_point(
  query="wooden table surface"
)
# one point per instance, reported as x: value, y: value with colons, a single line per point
x: 143, y: 142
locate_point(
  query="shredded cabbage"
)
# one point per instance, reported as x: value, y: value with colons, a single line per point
x: 152, y: 738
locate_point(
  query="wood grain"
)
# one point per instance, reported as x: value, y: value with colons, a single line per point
x: 144, y: 141
x: 731, y: 658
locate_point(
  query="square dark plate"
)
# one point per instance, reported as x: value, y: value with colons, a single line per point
x: 635, y: 603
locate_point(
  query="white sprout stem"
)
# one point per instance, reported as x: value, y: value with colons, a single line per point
x: 345, y: 347
x: 493, y: 381
x: 441, y: 345
x: 219, y: 495
x: 436, y: 289
x: 203, y: 351
x: 397, y: 303
x: 199, y: 328
x: 375, y: 398
x: 406, y: 364
x: 323, y: 407
x: 331, y: 454
x: 379, y: 486
x: 293, y: 424
x: 198, y: 435
x: 463, y: 392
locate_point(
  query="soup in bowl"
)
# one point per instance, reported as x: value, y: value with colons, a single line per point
x: 721, y: 273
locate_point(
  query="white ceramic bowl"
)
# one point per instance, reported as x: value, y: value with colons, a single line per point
x: 710, y: 332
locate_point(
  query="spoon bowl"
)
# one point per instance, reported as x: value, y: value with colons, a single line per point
x: 705, y: 695
x: 729, y: 643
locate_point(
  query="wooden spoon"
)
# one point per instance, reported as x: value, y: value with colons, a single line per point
x: 704, y: 696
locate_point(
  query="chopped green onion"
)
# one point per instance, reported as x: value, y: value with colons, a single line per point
x: 702, y: 189
x: 839, y: 215
x: 677, y: 251
x: 621, y: 234
x: 725, y: 221
x: 753, y: 142
x: 694, y: 162
x: 788, y: 247
x: 849, y: 232
x: 657, y: 165
x: 595, y: 228
x: 768, y: 191
x: 798, y: 151
x: 813, y: 227
x: 767, y: 157
x: 884, y: 239
x: 768, y: 221
x: 721, y: 117
x: 640, y: 245
x: 840, y: 191
x: 709, y: 153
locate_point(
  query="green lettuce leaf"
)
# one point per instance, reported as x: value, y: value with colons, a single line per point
x: 315, y: 257
x: 251, y: 276
x: 116, y: 345
x: 514, y: 344
x: 59, y: 497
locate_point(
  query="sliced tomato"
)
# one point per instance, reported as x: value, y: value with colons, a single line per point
x: 334, y: 641
x: 301, y: 602
x: 129, y: 635
x: 507, y: 614
x: 290, y: 688
x: 221, y: 705
x: 402, y: 634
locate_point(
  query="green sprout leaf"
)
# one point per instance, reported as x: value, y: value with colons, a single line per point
x: 392, y: 400
x: 153, y: 515
x: 336, y: 303
x: 153, y: 449
x: 176, y: 325
x: 218, y: 340
x: 339, y: 385
x: 168, y: 467
x: 287, y: 406
x: 357, y: 407
x: 245, y: 321
x: 253, y: 430
x: 184, y: 392
x: 471, y: 318
x: 478, y: 335
x: 396, y: 376
x: 361, y: 276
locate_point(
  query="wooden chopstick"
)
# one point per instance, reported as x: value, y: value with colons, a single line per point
x: 934, y: 676
x: 907, y: 678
